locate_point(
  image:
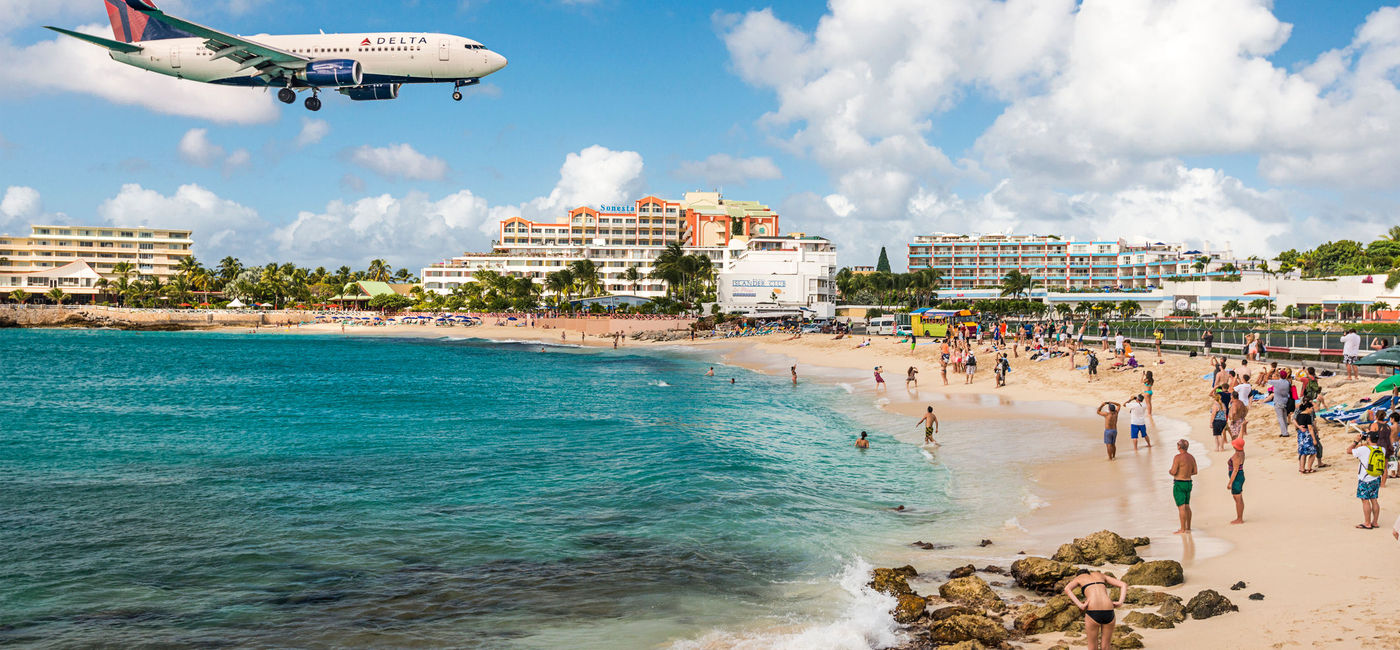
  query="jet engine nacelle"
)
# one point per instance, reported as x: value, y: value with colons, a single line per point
x: 372, y: 92
x: 334, y: 72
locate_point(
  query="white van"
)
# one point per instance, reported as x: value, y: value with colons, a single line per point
x: 882, y: 326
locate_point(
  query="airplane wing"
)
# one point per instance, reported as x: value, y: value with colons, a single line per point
x: 270, y: 62
x: 115, y: 46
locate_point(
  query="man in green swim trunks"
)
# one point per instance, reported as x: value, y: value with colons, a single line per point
x: 1183, y: 468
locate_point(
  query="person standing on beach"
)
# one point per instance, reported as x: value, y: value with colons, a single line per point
x: 1209, y: 340
x: 862, y: 443
x: 1097, y: 605
x: 1147, y: 382
x: 1282, y: 399
x: 879, y: 380
x: 1309, y: 449
x: 794, y: 374
x: 1235, y: 469
x: 930, y: 424
x: 971, y: 365
x: 1351, y: 353
x: 912, y: 377
x: 1103, y: 335
x: 1370, y: 478
x: 1217, y: 424
x: 1109, y: 412
x: 1157, y: 335
x: 1093, y: 366
x: 1137, y: 421
x: 1183, y: 468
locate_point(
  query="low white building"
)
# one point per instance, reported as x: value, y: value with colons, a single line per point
x: 775, y: 275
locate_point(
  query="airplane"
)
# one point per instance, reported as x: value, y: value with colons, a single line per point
x: 363, y: 67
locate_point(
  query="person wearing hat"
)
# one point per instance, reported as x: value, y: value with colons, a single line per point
x: 1235, y: 467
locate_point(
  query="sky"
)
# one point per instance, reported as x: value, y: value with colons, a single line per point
x: 1254, y: 124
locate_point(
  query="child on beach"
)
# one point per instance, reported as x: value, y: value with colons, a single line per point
x: 879, y: 380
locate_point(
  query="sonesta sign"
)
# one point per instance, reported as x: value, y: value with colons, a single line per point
x: 617, y: 209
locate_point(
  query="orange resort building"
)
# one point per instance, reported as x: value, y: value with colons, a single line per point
x: 74, y: 258
x: 981, y: 261
x: 731, y: 233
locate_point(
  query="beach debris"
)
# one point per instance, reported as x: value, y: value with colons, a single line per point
x: 1041, y: 575
x: 1057, y: 615
x: 985, y: 543
x: 973, y: 592
x: 893, y: 582
x: 1148, y: 620
x: 962, y: 572
x: 1157, y: 573
x: 1256, y: 596
x: 994, y: 569
x: 910, y: 608
x: 1209, y: 603
x: 967, y: 627
x: 1098, y: 549
x: 1237, y: 586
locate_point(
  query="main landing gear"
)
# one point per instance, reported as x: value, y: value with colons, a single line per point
x: 286, y: 95
x: 462, y: 83
x: 313, y: 103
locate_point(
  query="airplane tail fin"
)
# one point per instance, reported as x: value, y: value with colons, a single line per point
x: 130, y: 23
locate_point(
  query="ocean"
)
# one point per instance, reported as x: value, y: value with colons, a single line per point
x: 234, y: 489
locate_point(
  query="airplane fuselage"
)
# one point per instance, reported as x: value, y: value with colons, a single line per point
x: 386, y: 58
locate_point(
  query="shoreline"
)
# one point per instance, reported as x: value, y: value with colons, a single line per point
x: 1325, y: 583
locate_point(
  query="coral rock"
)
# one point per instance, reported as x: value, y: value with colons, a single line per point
x: 910, y: 608
x: 963, y: 627
x: 1057, y: 615
x: 1209, y: 603
x: 1041, y: 575
x: 962, y: 572
x: 1158, y: 573
x: 1098, y: 549
x: 973, y: 592
x: 893, y: 582
x: 1144, y: 619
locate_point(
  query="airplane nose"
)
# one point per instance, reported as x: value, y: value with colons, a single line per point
x: 497, y: 62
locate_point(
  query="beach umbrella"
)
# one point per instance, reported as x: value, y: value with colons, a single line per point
x: 1391, y: 383
x: 1387, y: 357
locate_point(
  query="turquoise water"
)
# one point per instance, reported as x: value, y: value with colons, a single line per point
x: 197, y: 488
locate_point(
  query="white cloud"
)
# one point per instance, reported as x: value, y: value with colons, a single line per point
x: 411, y: 231
x: 312, y: 131
x: 20, y: 208
x: 594, y: 176
x: 196, y: 149
x: 220, y: 226
x: 399, y: 161
x: 723, y: 169
x: 237, y: 160
x: 68, y: 65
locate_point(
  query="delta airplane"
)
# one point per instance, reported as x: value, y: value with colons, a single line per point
x: 363, y: 67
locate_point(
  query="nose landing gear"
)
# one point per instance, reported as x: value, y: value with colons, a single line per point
x: 460, y: 84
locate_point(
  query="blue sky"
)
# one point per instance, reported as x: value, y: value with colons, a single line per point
x: 869, y: 162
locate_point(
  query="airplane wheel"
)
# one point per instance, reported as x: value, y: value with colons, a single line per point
x: 313, y: 104
x: 457, y: 96
x: 286, y: 95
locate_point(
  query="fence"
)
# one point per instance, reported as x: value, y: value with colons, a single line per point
x: 1278, y: 345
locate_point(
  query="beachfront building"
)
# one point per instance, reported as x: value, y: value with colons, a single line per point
x: 970, y: 262
x: 785, y: 275
x: 73, y: 258
x: 615, y: 238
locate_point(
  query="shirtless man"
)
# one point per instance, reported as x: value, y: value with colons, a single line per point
x: 1183, y: 468
x: 1109, y: 412
x: 930, y: 424
x: 711, y: 373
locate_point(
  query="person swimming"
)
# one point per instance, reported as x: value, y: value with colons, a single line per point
x: 862, y: 443
x: 1098, y: 605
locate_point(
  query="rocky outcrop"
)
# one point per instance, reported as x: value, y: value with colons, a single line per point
x: 1124, y: 638
x: 1041, y: 575
x: 1148, y: 597
x: 893, y: 582
x: 944, y: 613
x: 1157, y: 573
x: 1056, y: 615
x: 1145, y: 619
x: 1098, y: 549
x: 962, y: 572
x: 1173, y: 611
x: 1209, y: 603
x: 971, y: 591
x: 909, y: 608
x: 965, y: 627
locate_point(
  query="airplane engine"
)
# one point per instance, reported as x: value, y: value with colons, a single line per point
x: 372, y: 92
x: 334, y: 72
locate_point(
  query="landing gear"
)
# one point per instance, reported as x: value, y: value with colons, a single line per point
x: 286, y: 95
x: 313, y: 103
x: 457, y: 95
x: 459, y: 84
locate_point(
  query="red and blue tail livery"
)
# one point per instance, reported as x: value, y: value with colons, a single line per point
x: 130, y: 25
x: 363, y: 67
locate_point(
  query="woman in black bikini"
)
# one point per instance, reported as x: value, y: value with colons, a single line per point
x: 1097, y: 605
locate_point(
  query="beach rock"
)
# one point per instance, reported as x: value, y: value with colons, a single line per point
x: 893, y: 582
x: 994, y: 569
x: 1157, y: 573
x: 1124, y: 638
x: 910, y: 608
x: 962, y: 572
x: 1173, y: 611
x: 1209, y: 603
x: 1144, y: 619
x: 1098, y: 549
x: 1237, y: 586
x: 1256, y: 596
x: 1148, y: 597
x: 973, y: 592
x: 965, y: 645
x: 963, y: 627
x: 985, y: 543
x: 1057, y: 615
x: 1141, y: 541
x: 1041, y: 575
x: 945, y: 613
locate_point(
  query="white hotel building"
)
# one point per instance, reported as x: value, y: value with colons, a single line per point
x: 737, y: 236
x: 74, y: 258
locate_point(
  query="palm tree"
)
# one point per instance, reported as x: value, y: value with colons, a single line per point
x: 1315, y: 311
x: 124, y: 269
x: 378, y: 271
x: 1260, y: 305
x: 1016, y: 284
x: 1201, y: 262
x: 561, y: 284
x: 56, y: 295
x: 586, y: 277
x: 229, y: 268
x: 188, y: 266
x: 1393, y: 234
x: 1379, y: 305
x: 1229, y: 268
x: 179, y: 289
x: 632, y: 276
x: 1129, y: 309
x: 1064, y: 310
x: 20, y: 296
x: 1231, y: 308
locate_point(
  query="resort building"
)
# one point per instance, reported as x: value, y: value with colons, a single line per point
x: 773, y: 275
x: 73, y: 258
x: 981, y: 261
x: 615, y: 238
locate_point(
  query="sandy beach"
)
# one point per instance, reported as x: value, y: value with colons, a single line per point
x: 1326, y: 583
